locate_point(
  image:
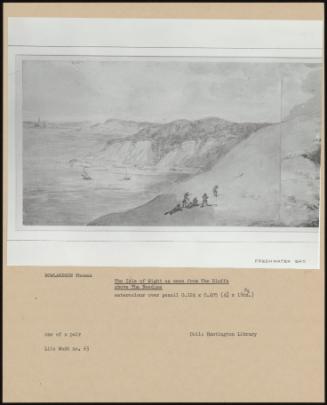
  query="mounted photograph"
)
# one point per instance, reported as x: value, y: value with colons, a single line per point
x: 134, y: 142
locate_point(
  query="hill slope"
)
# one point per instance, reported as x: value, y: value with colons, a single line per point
x: 269, y: 179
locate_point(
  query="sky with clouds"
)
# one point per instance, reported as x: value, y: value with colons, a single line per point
x: 162, y: 91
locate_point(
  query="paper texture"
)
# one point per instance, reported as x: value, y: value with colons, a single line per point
x: 100, y: 307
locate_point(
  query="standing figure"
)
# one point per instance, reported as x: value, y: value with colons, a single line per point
x: 204, y: 200
x: 215, y: 193
x: 186, y: 200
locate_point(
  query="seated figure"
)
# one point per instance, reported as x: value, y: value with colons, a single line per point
x: 175, y: 209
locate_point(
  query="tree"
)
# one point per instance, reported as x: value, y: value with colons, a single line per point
x: 215, y: 193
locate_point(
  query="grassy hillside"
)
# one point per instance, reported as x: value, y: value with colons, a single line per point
x: 182, y: 143
x: 269, y: 179
x: 118, y: 129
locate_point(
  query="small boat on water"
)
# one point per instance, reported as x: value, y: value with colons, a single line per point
x: 85, y: 175
x: 126, y: 177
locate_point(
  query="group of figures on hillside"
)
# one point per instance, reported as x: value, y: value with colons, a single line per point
x: 188, y: 203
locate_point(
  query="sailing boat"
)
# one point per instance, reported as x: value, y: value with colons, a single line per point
x: 85, y: 175
x: 126, y: 177
x: 38, y: 123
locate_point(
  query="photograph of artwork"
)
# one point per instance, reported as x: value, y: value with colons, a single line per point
x: 170, y: 142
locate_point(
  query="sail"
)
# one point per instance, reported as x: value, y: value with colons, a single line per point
x: 85, y: 174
